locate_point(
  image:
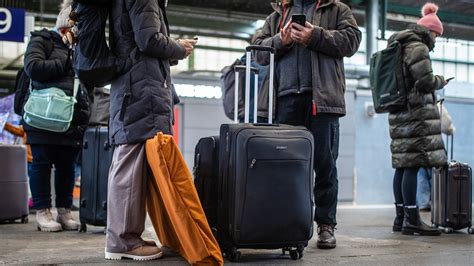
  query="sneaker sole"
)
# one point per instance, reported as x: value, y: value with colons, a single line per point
x: 120, y: 256
x: 70, y: 228
x: 46, y: 229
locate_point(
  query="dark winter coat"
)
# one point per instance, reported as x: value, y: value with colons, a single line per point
x: 416, y: 131
x: 48, y: 64
x: 336, y: 35
x: 142, y: 99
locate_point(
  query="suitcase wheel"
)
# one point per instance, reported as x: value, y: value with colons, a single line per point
x: 297, y: 253
x: 470, y: 230
x: 83, y: 228
x: 233, y: 254
x: 24, y: 220
x: 448, y: 230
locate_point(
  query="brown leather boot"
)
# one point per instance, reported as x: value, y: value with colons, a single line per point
x: 326, y: 239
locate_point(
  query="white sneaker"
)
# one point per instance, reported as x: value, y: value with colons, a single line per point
x: 141, y: 253
x: 45, y: 221
x: 65, y: 219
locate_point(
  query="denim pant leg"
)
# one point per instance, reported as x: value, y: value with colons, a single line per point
x: 64, y: 175
x: 423, y: 193
x: 325, y: 129
x: 40, y: 177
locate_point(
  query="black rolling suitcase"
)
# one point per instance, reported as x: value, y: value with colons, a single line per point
x: 206, y: 174
x: 13, y: 184
x: 452, y: 196
x: 96, y: 159
x: 265, y: 197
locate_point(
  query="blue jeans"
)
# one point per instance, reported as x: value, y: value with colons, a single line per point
x: 423, y: 193
x: 296, y: 109
x: 44, y: 157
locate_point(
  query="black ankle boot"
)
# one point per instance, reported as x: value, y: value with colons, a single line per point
x: 398, y: 222
x: 412, y: 224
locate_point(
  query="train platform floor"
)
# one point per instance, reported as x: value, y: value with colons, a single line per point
x: 363, y: 234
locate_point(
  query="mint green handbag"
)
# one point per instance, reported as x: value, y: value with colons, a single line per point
x: 50, y: 109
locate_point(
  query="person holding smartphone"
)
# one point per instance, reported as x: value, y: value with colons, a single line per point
x: 416, y: 129
x: 311, y: 38
x: 141, y: 105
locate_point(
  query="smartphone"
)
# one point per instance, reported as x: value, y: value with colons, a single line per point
x: 299, y: 18
x: 448, y: 80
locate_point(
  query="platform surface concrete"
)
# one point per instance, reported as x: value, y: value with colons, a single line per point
x: 363, y: 234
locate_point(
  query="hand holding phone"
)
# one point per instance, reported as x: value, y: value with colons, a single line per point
x: 299, y: 19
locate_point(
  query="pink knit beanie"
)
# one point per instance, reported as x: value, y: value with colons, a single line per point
x: 430, y: 20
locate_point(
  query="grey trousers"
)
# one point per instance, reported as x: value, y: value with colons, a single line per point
x: 126, y: 211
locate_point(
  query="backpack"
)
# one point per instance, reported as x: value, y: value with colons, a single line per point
x: 22, y: 84
x: 228, y: 89
x: 389, y: 91
x: 94, y: 62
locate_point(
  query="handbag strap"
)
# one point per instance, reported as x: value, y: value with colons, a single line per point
x: 75, y: 88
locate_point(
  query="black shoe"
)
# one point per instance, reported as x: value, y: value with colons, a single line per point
x: 412, y: 224
x: 326, y: 239
x: 398, y: 222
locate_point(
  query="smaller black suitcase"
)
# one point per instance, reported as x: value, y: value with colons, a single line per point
x: 13, y: 184
x: 206, y: 176
x: 452, y: 196
x: 96, y: 160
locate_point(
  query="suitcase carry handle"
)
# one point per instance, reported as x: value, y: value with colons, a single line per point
x: 260, y: 48
x: 248, y: 71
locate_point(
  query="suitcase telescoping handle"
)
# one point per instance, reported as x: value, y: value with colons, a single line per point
x: 248, y: 71
x: 238, y: 70
x: 441, y: 102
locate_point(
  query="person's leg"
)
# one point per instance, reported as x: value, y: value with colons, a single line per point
x: 40, y: 185
x: 397, y: 185
x: 423, y: 192
x: 40, y: 174
x: 409, y: 186
x: 397, y: 193
x: 412, y: 223
x: 64, y: 175
x: 126, y: 205
x: 325, y: 129
x: 64, y: 162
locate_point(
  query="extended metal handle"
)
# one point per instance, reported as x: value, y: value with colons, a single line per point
x: 260, y: 48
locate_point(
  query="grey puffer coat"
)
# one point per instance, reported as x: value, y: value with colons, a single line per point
x: 416, y: 131
x: 141, y: 100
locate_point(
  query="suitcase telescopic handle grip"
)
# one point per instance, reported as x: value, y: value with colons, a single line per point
x: 243, y: 68
x: 260, y: 48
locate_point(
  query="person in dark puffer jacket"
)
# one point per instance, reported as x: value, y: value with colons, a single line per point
x: 416, y: 131
x: 141, y: 106
x: 48, y: 64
